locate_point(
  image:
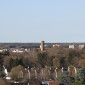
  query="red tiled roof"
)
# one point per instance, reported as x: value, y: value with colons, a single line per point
x: 53, y: 83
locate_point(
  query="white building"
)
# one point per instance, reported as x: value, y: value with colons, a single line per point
x: 56, y: 45
x: 17, y: 51
x: 2, y: 50
x: 81, y: 46
x: 27, y: 50
x: 71, y: 46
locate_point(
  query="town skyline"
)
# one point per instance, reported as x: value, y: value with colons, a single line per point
x: 42, y: 42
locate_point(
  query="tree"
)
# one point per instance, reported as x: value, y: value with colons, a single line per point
x: 55, y: 52
x: 10, y: 65
x: 64, y: 78
x: 80, y: 75
x: 26, y: 61
x: 62, y: 61
x: 2, y: 74
x: 1, y: 60
x: 69, y: 59
x: 14, y: 63
x: 56, y: 62
x: 17, y: 73
x: 43, y: 59
x: 79, y: 83
x: 76, y: 64
x: 6, y: 53
x: 82, y: 63
x: 6, y: 61
x: 72, y: 53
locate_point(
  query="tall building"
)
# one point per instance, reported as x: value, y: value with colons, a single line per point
x: 42, y: 46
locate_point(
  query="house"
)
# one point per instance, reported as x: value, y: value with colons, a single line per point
x: 17, y: 50
x: 56, y: 45
x: 34, y: 83
x: 3, y: 50
x: 53, y: 83
x: 81, y: 46
x: 71, y: 46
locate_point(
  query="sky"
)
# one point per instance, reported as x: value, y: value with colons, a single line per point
x: 36, y: 20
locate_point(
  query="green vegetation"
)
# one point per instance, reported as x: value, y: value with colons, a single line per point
x: 42, y: 59
x: 15, y: 62
x: 45, y: 64
x: 80, y: 75
x: 2, y: 74
x: 16, y: 73
x: 79, y: 83
x: 56, y: 57
x: 64, y: 78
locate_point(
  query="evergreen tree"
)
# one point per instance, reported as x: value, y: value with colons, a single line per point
x: 42, y: 59
x: 64, y: 78
x: 14, y: 63
x: 2, y: 74
x: 80, y: 75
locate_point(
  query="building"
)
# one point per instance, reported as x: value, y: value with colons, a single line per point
x: 81, y: 46
x: 56, y: 45
x: 42, y: 46
x: 53, y: 83
x: 17, y: 51
x: 34, y: 83
x: 3, y: 50
x: 71, y: 46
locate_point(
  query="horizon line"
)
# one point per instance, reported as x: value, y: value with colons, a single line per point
x: 40, y: 42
